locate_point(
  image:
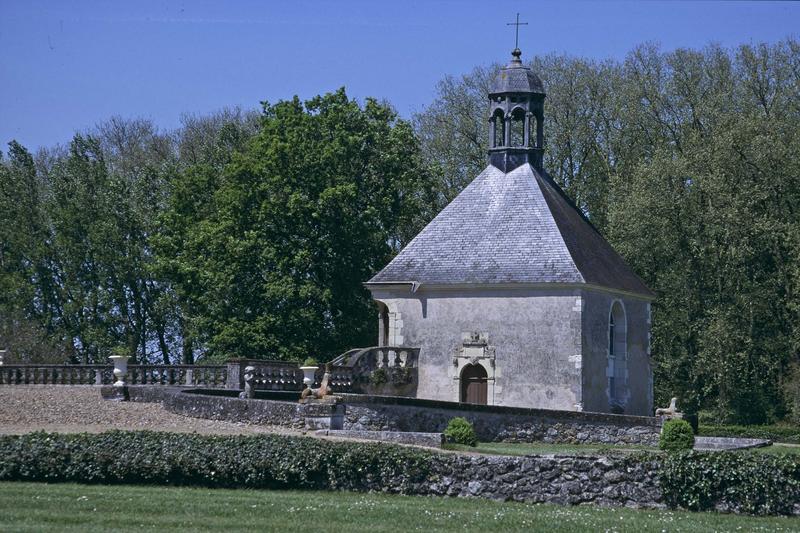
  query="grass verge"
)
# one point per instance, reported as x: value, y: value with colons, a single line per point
x: 72, y: 507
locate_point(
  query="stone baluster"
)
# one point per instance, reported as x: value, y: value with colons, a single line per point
x: 385, y: 357
x: 189, y: 377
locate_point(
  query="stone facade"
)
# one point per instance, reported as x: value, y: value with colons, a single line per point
x: 543, y: 347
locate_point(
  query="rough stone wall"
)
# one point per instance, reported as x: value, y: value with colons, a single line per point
x: 604, y: 481
x: 596, y: 311
x: 267, y: 412
x: 536, y: 335
x: 491, y: 425
x: 366, y: 413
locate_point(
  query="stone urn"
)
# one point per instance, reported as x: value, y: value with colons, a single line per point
x: 308, y: 375
x: 120, y: 369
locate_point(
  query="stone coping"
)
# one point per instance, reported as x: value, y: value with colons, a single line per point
x: 416, y: 438
x: 729, y: 443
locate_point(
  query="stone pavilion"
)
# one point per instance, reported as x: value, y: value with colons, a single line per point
x: 511, y: 294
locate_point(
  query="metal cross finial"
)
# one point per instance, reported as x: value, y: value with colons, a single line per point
x: 517, y: 24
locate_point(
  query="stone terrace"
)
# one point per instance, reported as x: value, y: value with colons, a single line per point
x: 77, y: 408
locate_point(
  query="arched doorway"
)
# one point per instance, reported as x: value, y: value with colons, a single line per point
x: 474, y: 384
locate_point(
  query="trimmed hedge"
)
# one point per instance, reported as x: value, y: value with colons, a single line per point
x: 726, y: 481
x: 775, y: 433
x: 676, y: 435
x: 261, y: 461
x: 737, y: 482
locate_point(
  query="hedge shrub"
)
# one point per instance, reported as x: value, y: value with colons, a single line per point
x: 741, y: 482
x: 727, y: 481
x: 262, y: 461
x: 676, y: 435
x: 460, y: 431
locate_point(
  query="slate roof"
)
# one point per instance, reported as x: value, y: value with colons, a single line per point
x: 518, y: 227
x: 516, y: 78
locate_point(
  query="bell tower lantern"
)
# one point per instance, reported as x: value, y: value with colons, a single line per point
x: 516, y: 115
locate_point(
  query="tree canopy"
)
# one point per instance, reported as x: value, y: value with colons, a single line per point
x: 270, y: 253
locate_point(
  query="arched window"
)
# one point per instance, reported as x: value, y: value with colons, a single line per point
x: 383, y: 324
x: 518, y: 127
x: 498, y: 129
x: 533, y: 129
x: 617, y: 367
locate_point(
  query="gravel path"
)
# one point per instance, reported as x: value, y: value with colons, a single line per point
x: 79, y: 408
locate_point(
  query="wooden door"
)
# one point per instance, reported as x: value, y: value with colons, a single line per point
x: 474, y: 384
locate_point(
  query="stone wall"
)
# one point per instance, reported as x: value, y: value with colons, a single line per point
x: 375, y: 413
x: 493, y: 423
x: 605, y: 481
x: 634, y: 363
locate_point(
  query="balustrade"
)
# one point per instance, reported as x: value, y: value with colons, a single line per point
x: 192, y: 375
x: 347, y: 372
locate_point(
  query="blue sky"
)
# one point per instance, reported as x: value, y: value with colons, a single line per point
x: 66, y: 66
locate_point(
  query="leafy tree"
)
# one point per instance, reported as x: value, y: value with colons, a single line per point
x: 270, y: 253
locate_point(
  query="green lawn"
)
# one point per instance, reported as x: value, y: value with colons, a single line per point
x: 777, y: 448
x: 70, y: 507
